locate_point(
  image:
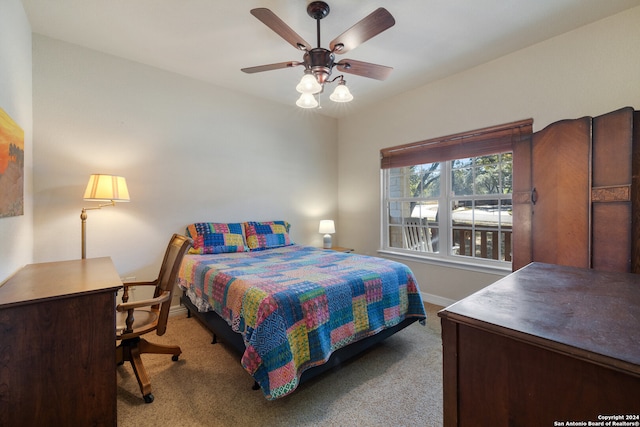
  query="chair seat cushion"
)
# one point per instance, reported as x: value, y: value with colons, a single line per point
x: 141, y: 318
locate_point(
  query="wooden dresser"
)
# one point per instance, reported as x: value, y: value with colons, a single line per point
x: 57, y: 344
x: 546, y: 344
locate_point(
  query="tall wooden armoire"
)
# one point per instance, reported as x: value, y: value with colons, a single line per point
x: 576, y: 198
x: 551, y: 343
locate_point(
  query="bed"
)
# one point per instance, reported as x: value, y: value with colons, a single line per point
x: 292, y: 311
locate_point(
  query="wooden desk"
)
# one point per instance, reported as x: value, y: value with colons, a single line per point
x: 57, y: 344
x: 545, y: 344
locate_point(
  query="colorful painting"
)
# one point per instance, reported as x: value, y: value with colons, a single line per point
x: 11, y: 167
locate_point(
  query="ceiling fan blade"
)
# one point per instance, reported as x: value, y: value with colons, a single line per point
x: 269, y: 67
x: 364, y: 69
x: 270, y: 19
x: 367, y: 28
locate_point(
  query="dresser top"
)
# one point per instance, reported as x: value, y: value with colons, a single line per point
x: 572, y: 310
x: 51, y: 280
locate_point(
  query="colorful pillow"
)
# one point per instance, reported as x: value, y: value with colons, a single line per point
x: 216, y: 238
x: 267, y: 235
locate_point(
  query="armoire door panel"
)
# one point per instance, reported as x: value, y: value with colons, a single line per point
x: 521, y: 204
x: 612, y: 143
x: 611, y: 237
x: 612, y: 146
x: 560, y: 221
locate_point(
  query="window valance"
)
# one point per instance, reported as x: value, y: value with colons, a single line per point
x: 480, y: 142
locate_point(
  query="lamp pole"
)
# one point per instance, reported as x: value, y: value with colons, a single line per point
x: 83, y: 219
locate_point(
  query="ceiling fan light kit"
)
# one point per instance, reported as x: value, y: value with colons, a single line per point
x: 319, y: 62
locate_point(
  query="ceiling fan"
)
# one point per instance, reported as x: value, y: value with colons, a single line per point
x: 319, y: 62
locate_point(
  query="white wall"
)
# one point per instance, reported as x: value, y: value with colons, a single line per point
x: 16, y: 233
x: 189, y: 151
x: 590, y: 71
x: 194, y: 152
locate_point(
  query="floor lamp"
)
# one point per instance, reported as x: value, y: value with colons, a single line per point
x: 102, y: 188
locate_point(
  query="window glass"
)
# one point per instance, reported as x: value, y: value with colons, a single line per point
x: 475, y: 226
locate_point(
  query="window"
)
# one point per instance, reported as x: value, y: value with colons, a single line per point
x: 451, y: 198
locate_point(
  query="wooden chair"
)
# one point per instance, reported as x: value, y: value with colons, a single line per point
x: 417, y: 235
x: 137, y: 318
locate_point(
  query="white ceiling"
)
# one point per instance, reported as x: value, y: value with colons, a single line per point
x: 211, y: 40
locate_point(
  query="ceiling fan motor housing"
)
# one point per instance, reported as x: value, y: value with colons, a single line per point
x: 320, y: 61
x: 318, y: 9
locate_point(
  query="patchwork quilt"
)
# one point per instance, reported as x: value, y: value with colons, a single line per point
x: 295, y: 305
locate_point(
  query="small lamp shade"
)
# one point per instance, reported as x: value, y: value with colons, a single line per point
x: 307, y: 100
x: 327, y: 227
x: 341, y: 94
x: 106, y: 188
x: 308, y: 84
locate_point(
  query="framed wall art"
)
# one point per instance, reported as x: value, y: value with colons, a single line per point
x: 11, y: 167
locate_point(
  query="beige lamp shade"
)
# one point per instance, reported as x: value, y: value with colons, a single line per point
x: 327, y: 226
x: 107, y: 188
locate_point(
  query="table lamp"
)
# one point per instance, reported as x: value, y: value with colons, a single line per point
x: 327, y: 227
x: 102, y: 188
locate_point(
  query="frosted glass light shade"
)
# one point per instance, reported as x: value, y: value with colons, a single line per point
x: 307, y: 100
x: 341, y: 94
x: 308, y: 84
x: 106, y: 188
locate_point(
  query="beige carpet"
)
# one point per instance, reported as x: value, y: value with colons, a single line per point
x: 398, y: 382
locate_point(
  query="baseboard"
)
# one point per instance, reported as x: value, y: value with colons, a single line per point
x: 437, y: 300
x: 177, y: 310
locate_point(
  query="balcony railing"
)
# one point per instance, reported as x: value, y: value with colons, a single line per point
x: 488, y: 243
x: 421, y: 236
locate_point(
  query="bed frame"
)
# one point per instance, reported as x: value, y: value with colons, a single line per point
x: 221, y: 329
